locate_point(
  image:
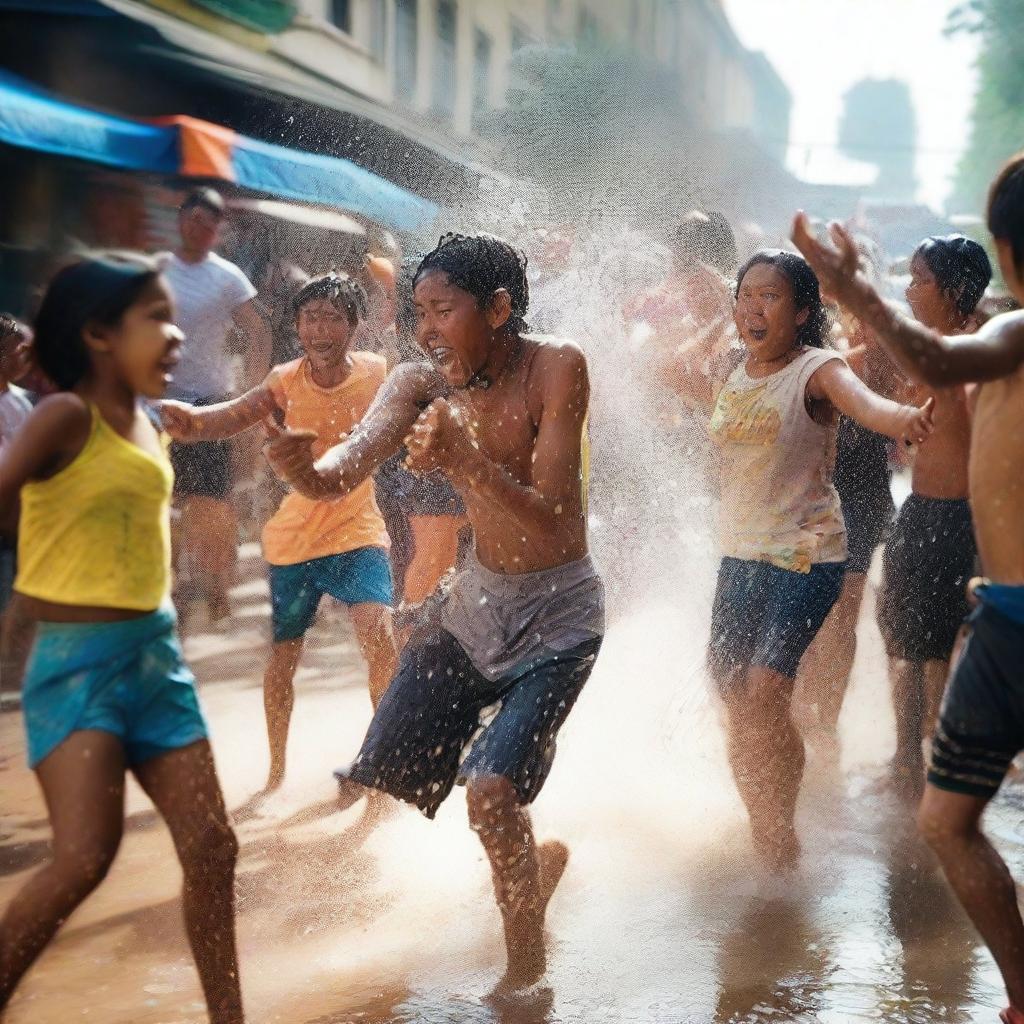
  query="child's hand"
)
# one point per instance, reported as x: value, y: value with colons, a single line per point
x: 920, y: 423
x: 290, y: 453
x: 440, y: 439
x: 179, y: 419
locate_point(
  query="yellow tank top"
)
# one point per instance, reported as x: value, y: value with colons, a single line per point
x: 98, y: 532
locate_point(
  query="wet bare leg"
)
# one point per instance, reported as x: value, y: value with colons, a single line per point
x: 766, y: 753
x: 525, y: 876
x: 950, y: 823
x: 278, y: 702
x: 183, y: 786
x: 935, y: 675
x: 17, y: 631
x: 209, y: 531
x: 907, y: 769
x: 825, y: 669
x: 83, y: 784
x: 372, y: 623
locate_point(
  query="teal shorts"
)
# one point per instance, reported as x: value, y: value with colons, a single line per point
x: 362, y: 576
x: 126, y: 678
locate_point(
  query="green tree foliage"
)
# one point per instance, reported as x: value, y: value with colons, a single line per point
x: 997, y: 120
x: 878, y: 126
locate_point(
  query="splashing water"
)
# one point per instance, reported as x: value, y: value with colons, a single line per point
x: 663, y: 914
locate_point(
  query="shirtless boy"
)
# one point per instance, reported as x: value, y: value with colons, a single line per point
x: 502, y: 414
x: 930, y: 555
x: 981, y: 724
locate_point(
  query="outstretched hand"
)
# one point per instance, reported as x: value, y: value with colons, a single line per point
x: 920, y: 423
x: 179, y: 420
x: 836, y: 265
x: 289, y: 452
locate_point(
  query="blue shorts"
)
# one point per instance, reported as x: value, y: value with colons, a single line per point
x: 126, y: 678
x: 415, y: 744
x: 981, y: 724
x: 767, y: 616
x: 362, y: 576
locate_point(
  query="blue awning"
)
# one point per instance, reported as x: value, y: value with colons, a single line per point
x: 32, y: 118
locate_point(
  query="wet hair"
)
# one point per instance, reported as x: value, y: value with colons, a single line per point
x: 482, y: 265
x: 95, y: 289
x: 1006, y: 208
x: 706, y: 236
x: 343, y: 292
x: 11, y: 327
x: 959, y: 265
x: 806, y: 292
x: 204, y: 198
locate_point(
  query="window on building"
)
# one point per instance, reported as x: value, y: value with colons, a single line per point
x: 482, y: 55
x: 443, y: 99
x: 340, y: 13
x: 406, y: 44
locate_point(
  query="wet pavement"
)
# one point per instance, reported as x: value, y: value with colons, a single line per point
x: 662, y: 916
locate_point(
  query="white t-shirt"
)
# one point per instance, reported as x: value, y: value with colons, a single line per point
x: 206, y: 295
x: 15, y: 408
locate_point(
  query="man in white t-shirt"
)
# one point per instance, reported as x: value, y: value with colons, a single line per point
x: 211, y: 295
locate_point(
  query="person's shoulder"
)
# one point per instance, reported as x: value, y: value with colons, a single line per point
x: 1006, y: 327
x: 285, y: 373
x: 165, y: 259
x: 370, y: 364
x: 221, y: 265
x: 556, y: 355
x: 62, y: 411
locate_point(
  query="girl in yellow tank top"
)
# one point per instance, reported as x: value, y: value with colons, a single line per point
x: 106, y: 686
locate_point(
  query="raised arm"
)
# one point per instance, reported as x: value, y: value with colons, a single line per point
x: 554, y: 495
x: 995, y: 351
x: 406, y: 392
x: 836, y: 383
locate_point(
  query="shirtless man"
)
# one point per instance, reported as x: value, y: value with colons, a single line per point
x: 981, y: 724
x: 930, y: 555
x: 502, y: 414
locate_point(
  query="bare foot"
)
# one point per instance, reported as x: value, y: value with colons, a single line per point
x: 349, y: 792
x: 527, y: 959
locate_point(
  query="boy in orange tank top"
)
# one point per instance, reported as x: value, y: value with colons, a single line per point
x: 314, y: 547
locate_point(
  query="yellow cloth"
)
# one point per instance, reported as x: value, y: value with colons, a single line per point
x: 301, y: 528
x: 98, y: 532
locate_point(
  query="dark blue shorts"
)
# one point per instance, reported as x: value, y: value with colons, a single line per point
x: 362, y: 576
x: 431, y: 711
x: 981, y: 724
x: 767, y: 616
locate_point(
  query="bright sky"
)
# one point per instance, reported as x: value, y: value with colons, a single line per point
x: 821, y: 47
